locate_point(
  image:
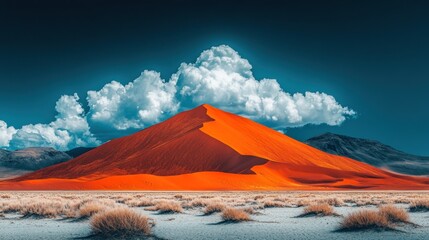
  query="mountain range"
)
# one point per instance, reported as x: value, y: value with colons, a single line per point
x: 19, y: 162
x: 209, y: 149
x: 371, y: 152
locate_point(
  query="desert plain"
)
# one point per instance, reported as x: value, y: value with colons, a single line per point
x: 214, y: 215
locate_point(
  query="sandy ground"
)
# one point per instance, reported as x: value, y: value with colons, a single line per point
x: 272, y: 223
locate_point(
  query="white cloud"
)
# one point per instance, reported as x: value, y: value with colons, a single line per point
x: 143, y: 102
x: 222, y: 78
x: 6, y: 134
x: 69, y: 130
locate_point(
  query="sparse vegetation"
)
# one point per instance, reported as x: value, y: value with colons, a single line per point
x: 214, y: 207
x: 90, y: 208
x: 421, y: 205
x: 235, y: 215
x: 120, y: 222
x: 394, y: 214
x: 274, y: 204
x: 364, y: 220
x: 385, y: 218
x: 334, y: 201
x: 140, y: 202
x: 233, y: 206
x: 41, y: 209
x: 321, y: 209
x: 164, y: 207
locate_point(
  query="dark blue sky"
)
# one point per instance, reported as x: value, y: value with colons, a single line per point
x: 373, y: 57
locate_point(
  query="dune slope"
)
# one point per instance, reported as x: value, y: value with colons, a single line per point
x: 210, y: 149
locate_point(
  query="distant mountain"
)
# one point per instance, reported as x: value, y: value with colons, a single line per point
x: 209, y: 149
x: 31, y: 158
x: 76, y: 152
x: 6, y: 172
x: 371, y: 152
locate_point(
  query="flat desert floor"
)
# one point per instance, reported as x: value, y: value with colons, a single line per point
x: 217, y: 215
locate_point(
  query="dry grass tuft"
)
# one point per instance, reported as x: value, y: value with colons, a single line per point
x: 142, y: 202
x: 394, y: 214
x: 303, y: 203
x: 235, y: 215
x: 198, y: 203
x: 164, y: 207
x: 91, y: 208
x: 41, y: 209
x: 4, y: 196
x: 121, y: 222
x: 258, y: 197
x: 321, y: 209
x: 421, y: 205
x: 364, y: 220
x: 337, y: 202
x: 214, y: 207
x: 274, y: 204
x: 249, y: 210
x: 178, y: 196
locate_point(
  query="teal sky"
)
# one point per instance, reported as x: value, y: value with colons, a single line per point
x: 372, y: 57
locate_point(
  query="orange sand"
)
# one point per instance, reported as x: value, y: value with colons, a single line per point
x: 209, y: 149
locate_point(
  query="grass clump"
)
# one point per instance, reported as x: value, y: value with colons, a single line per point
x: 235, y: 215
x: 385, y: 218
x: 337, y: 202
x: 90, y: 208
x: 121, y: 222
x: 39, y: 209
x: 274, y: 204
x: 421, y: 205
x: 394, y: 214
x: 213, y: 208
x: 164, y: 207
x: 142, y: 202
x: 321, y: 209
x: 364, y: 220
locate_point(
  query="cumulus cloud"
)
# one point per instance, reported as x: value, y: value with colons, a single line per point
x: 69, y: 130
x: 6, y: 134
x: 143, y: 102
x: 221, y: 77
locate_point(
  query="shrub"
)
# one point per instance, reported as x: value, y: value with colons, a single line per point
x: 46, y: 209
x: 274, y: 204
x: 321, y: 209
x: 364, y: 219
x: 178, y: 196
x: 421, y: 205
x: 90, y: 208
x: 258, y: 197
x: 337, y: 202
x: 235, y: 215
x: 249, y: 210
x: 121, y: 221
x: 214, y: 207
x: 303, y: 203
x: 198, y: 203
x: 143, y: 202
x: 394, y: 214
x: 166, y: 207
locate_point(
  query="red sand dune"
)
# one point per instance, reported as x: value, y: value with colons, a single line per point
x: 209, y: 149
